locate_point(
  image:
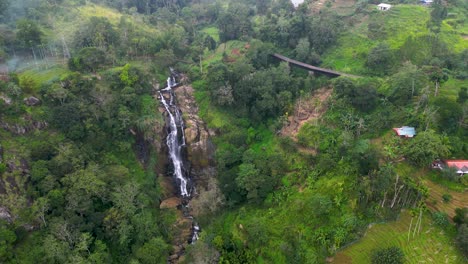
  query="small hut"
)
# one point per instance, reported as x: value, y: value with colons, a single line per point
x: 460, y: 165
x: 384, y: 7
x: 405, y: 131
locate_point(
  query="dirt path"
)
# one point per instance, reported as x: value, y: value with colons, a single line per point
x: 307, y: 109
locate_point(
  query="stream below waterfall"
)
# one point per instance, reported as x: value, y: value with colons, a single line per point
x: 176, y: 145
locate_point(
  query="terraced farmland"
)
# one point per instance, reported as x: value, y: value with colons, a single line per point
x: 436, y: 191
x: 430, y: 246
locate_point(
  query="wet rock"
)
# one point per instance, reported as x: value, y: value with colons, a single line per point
x: 32, y: 101
x: 29, y: 227
x: 173, y: 257
x: 172, y: 202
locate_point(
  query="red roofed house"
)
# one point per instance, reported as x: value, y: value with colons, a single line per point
x: 460, y: 165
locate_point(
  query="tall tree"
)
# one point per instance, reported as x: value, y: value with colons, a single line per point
x: 29, y: 34
x: 425, y: 148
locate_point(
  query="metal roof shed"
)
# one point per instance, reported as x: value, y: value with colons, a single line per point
x: 405, y: 131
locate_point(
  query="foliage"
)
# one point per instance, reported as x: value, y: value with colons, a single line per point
x: 7, y: 240
x: 405, y: 84
x: 380, y: 59
x: 440, y: 219
x: 234, y: 22
x: 88, y: 59
x: 29, y: 33
x: 462, y: 238
x: 461, y: 216
x: 446, y: 197
x: 391, y: 255
x: 155, y: 250
x: 126, y: 77
x: 3, y: 6
x: 362, y: 94
x: 462, y: 95
x: 289, y: 199
x: 425, y: 148
x: 96, y: 32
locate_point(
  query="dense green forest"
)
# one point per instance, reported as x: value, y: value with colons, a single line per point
x: 307, y: 168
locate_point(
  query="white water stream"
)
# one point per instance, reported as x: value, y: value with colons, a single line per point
x: 175, y: 144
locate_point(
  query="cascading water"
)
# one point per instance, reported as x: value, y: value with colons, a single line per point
x: 176, y: 142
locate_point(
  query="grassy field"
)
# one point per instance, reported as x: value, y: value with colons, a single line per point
x: 401, y: 22
x: 430, y: 246
x: 228, y: 48
x: 100, y: 11
x: 40, y: 75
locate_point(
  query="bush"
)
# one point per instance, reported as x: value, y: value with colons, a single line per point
x: 461, y: 216
x: 390, y: 255
x: 425, y: 147
x: 450, y: 173
x: 2, y: 168
x: 88, y: 60
x: 446, y: 197
x: 462, y: 238
x: 440, y: 219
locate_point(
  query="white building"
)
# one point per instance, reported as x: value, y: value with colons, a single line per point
x: 296, y: 3
x: 384, y: 7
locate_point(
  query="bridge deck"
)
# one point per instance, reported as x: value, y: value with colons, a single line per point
x: 310, y: 67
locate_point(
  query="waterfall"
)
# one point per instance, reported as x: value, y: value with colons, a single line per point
x: 176, y: 142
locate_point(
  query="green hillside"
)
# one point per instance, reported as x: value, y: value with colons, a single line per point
x: 283, y: 165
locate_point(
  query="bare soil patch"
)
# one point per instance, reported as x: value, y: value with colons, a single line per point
x: 307, y: 109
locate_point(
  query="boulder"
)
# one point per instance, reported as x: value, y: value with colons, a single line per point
x: 172, y: 202
x: 32, y: 101
x: 5, y: 215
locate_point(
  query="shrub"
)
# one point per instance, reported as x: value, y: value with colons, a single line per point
x: 390, y: 255
x: 446, y: 197
x: 440, y: 219
x: 450, y: 173
x: 462, y: 238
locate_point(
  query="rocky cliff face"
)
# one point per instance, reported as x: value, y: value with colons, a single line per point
x: 200, y: 154
x: 199, y: 146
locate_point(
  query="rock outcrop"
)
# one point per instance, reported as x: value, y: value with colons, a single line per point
x: 200, y: 154
x: 200, y: 149
x: 27, y: 125
x: 31, y: 101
